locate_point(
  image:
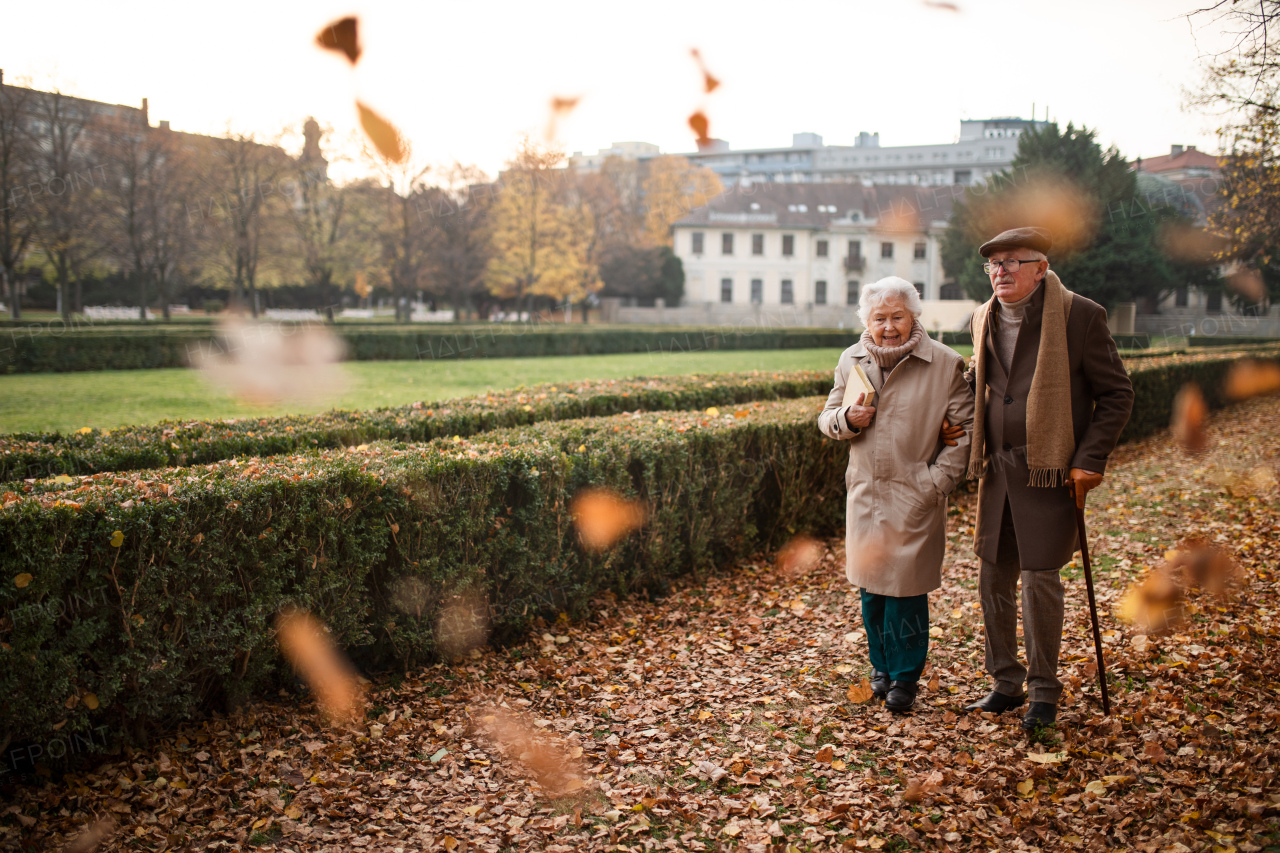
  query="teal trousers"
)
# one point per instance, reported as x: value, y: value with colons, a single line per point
x: 897, y: 634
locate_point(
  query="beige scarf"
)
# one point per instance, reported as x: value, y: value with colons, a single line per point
x: 1050, y: 436
x: 888, y: 357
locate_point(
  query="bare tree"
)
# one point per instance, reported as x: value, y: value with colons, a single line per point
x: 17, y: 215
x: 455, y: 216
x: 397, y: 226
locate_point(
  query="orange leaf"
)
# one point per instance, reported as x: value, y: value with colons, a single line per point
x: 698, y: 121
x: 861, y: 692
x: 1189, y: 415
x: 709, y: 81
x: 603, y: 517
x: 1251, y: 378
x: 341, y: 36
x: 382, y: 134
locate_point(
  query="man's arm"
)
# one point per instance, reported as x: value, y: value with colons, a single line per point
x: 1113, y: 401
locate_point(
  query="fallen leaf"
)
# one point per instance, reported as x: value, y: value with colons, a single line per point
x: 860, y: 692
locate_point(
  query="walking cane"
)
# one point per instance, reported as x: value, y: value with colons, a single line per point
x: 1093, y: 607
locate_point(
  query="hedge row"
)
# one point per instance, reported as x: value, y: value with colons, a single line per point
x: 156, y: 593
x: 105, y: 349
x: 36, y: 455
x: 1228, y: 340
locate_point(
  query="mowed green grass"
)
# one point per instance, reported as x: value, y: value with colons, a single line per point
x: 112, y: 398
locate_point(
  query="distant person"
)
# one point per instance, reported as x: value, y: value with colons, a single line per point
x: 900, y: 473
x: 1052, y: 397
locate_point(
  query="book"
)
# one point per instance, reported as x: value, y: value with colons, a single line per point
x: 858, y: 383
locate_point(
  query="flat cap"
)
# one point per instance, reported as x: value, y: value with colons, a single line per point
x: 1036, y: 239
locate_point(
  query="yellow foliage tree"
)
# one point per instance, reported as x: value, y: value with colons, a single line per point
x: 540, y: 246
x: 673, y: 187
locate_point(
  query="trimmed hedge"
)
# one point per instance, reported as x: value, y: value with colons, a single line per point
x: 173, y: 615
x: 39, y: 455
x: 24, y: 351
x: 1228, y: 340
x: 1132, y: 341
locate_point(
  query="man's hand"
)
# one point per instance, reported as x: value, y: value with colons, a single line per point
x: 1080, y: 482
x: 858, y: 415
x: 949, y: 434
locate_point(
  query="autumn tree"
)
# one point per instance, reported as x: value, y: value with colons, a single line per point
x: 391, y: 216
x: 541, y: 245
x: 1242, y: 85
x: 673, y: 187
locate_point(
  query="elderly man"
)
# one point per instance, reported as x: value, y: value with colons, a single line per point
x: 1051, y: 399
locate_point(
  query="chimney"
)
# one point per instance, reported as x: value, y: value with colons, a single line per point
x: 146, y: 120
x: 1175, y: 150
x: 164, y: 125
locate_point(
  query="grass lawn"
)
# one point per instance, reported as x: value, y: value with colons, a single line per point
x: 112, y: 398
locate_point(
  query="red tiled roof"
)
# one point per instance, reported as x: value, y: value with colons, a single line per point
x: 1190, y: 158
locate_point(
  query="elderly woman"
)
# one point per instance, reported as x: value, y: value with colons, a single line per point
x: 900, y: 473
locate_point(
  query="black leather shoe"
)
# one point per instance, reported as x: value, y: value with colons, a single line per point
x: 902, y: 695
x: 879, y: 684
x: 996, y: 702
x: 1040, y: 715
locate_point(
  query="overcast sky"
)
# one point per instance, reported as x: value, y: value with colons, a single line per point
x: 464, y: 80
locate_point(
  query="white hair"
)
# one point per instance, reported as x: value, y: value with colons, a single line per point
x: 886, y: 289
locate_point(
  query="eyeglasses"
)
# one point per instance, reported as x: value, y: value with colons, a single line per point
x: 1010, y: 265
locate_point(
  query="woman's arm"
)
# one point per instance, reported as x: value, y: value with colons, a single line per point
x: 948, y: 469
x: 833, y: 422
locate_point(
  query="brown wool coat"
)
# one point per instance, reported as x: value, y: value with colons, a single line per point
x: 1101, y: 399
x: 899, y: 472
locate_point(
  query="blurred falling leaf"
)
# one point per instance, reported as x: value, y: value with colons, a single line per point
x: 1154, y: 604
x: 560, y: 109
x: 91, y: 838
x: 1252, y: 378
x: 860, y: 692
x: 799, y: 555
x: 709, y: 81
x: 311, y: 651
x: 1189, y: 244
x: 701, y: 127
x: 341, y: 36
x: 1189, y: 415
x: 463, y: 623
x: 411, y: 596
x: 1248, y: 284
x: 1197, y: 563
x: 382, y: 134
x: 942, y: 4
x: 603, y: 517
x: 259, y: 363
x: 22, y: 580
x: 551, y: 764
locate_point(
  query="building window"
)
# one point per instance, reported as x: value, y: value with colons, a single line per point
x: 1180, y: 297
x: 819, y: 293
x: 697, y: 242
x: 788, y: 293
x: 886, y: 251
x: 851, y: 297
x: 726, y: 244
x: 963, y: 176
x: 919, y: 252
x: 757, y: 244
x: 951, y: 291
x: 788, y: 245
x: 726, y: 290
x: 855, y: 248
x: 919, y: 288
x: 821, y: 249
x: 1213, y: 302
x: 757, y: 291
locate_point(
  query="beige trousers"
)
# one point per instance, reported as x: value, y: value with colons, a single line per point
x: 1042, y: 610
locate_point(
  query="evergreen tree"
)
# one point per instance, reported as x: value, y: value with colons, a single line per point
x: 1105, y: 232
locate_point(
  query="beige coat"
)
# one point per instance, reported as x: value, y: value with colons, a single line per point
x: 900, y: 472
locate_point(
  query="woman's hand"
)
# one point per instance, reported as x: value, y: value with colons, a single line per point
x: 858, y: 415
x: 950, y: 435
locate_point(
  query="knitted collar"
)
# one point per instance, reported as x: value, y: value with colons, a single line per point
x: 887, y: 357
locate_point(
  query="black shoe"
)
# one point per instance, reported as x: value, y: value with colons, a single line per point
x: 1040, y: 715
x: 902, y: 695
x: 879, y: 684
x: 996, y: 702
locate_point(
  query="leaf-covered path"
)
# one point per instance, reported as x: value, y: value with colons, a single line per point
x: 720, y: 717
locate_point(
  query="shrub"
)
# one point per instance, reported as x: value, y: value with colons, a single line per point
x: 213, y: 306
x: 1227, y: 340
x: 38, y: 350
x: 173, y: 615
x: 36, y: 455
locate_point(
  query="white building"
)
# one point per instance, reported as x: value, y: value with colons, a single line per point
x: 809, y: 248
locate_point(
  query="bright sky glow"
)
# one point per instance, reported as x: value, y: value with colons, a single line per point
x: 464, y: 80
